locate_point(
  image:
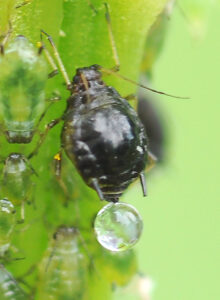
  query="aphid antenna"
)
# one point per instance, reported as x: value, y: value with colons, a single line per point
x: 112, y: 72
x: 23, y: 3
x: 92, y: 7
x: 115, y: 69
x: 5, y: 39
x: 59, y: 61
x: 183, y: 13
x: 111, y: 38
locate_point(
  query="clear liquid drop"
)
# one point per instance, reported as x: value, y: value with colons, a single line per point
x: 118, y: 226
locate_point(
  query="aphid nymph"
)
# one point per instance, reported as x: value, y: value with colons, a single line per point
x: 17, y: 185
x: 23, y: 78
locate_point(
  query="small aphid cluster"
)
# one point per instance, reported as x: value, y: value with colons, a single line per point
x: 23, y: 77
x: 102, y: 134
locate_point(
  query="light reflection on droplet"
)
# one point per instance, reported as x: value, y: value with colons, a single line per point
x: 118, y: 226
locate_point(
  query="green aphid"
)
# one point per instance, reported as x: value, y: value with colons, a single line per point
x: 23, y: 75
x: 17, y: 184
x: 63, y: 272
x: 7, y: 224
x: 9, y: 287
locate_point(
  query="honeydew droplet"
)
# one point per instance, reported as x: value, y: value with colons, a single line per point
x: 118, y: 226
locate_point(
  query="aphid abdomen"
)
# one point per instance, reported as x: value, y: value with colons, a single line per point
x: 106, y: 141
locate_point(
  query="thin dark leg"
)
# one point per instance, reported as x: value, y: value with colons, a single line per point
x: 41, y: 49
x: 52, y: 100
x: 5, y: 40
x: 23, y: 3
x: 112, y: 39
x: 58, y: 170
x: 59, y: 61
x: 92, y: 6
x: 49, y: 126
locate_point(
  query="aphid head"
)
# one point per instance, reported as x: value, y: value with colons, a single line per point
x: 91, y: 73
x: 64, y: 231
x: 15, y: 162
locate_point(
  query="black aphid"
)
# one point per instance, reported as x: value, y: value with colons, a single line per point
x: 102, y: 134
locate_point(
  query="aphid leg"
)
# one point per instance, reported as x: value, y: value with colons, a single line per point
x: 91, y: 259
x: 52, y: 100
x: 97, y: 188
x: 42, y: 48
x: 112, y: 39
x: 152, y: 159
x: 58, y: 163
x: 22, y: 210
x: 92, y: 6
x: 23, y: 3
x: 58, y: 169
x: 132, y: 97
x: 21, y: 221
x: 114, y: 70
x: 43, y: 136
x: 31, y: 167
x: 5, y: 39
x: 59, y: 61
x: 143, y: 183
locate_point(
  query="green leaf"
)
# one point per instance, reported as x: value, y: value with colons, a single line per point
x: 81, y: 36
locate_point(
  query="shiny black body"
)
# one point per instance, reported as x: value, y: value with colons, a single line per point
x: 102, y: 135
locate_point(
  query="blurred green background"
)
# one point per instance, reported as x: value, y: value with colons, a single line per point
x: 179, y: 248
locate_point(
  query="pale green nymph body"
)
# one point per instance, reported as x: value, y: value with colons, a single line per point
x: 63, y: 271
x: 17, y: 185
x: 9, y: 288
x: 23, y: 75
